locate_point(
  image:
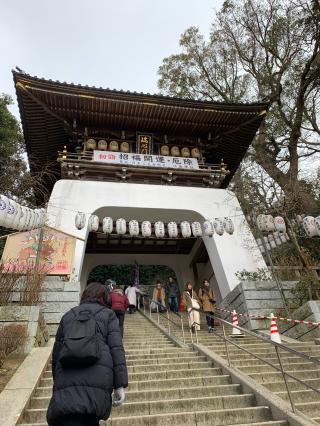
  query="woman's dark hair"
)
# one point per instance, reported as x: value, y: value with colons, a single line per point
x: 186, y: 286
x: 96, y: 292
x: 204, y: 280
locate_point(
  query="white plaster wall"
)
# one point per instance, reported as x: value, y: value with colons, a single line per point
x: 228, y: 253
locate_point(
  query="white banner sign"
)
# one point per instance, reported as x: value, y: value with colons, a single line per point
x: 143, y: 160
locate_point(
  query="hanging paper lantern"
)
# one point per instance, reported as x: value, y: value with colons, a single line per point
x: 228, y: 225
x: 272, y: 241
x: 121, y: 226
x: 22, y: 218
x: 80, y: 220
x: 317, y: 224
x: 208, y: 229
x: 173, y: 229
x: 146, y: 228
x: 261, y: 222
x: 32, y: 219
x: 196, y: 229
x: 159, y: 229
x: 309, y: 225
x: 270, y: 223
x: 279, y: 224
x: 134, y: 228
x: 276, y: 237
x: 17, y: 217
x: 107, y: 225
x: 11, y: 211
x: 218, y: 226
x: 3, y: 209
x: 185, y: 229
x: 93, y: 223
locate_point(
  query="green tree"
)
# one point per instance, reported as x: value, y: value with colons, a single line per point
x: 267, y: 50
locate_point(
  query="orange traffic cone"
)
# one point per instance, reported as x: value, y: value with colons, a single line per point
x: 235, y: 331
x: 182, y: 307
x: 274, y: 332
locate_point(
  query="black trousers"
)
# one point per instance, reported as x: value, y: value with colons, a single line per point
x: 210, y: 320
x: 132, y: 309
x: 120, y: 316
x: 76, y: 420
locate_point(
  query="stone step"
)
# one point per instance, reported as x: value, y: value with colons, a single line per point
x: 237, y: 416
x: 278, y: 386
x: 307, y: 395
x: 168, y: 367
x: 243, y: 362
x: 171, y: 383
x: 310, y: 409
x: 43, y: 394
x: 173, y: 360
x: 276, y: 376
x: 186, y: 404
x: 262, y: 368
x: 168, y: 373
x: 154, y: 355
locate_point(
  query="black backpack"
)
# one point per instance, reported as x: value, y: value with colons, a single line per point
x: 82, y: 342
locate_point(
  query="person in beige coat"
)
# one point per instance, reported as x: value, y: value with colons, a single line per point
x: 207, y: 298
x: 191, y: 300
x: 159, y: 296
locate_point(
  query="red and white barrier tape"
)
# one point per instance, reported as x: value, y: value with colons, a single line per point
x: 260, y: 317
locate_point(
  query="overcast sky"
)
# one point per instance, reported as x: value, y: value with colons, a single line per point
x: 110, y: 43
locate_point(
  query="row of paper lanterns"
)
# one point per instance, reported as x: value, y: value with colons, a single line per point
x: 267, y: 223
x: 195, y: 229
x: 15, y: 216
x: 272, y: 241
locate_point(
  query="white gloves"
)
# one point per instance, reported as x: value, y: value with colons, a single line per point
x: 118, y: 397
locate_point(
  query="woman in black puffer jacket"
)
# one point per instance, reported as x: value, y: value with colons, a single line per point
x: 82, y: 395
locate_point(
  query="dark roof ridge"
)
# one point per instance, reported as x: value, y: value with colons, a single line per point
x: 122, y: 92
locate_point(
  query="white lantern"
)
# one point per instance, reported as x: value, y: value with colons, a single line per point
x: 173, y: 229
x: 208, y: 229
x: 32, y: 219
x: 196, y: 229
x: 185, y: 229
x: 159, y: 229
x: 134, y: 228
x: 93, y: 223
x: 317, y: 224
x: 3, y: 209
x: 79, y: 220
x: 279, y: 224
x: 22, y: 218
x: 272, y: 241
x: 218, y: 226
x: 107, y: 225
x: 17, y: 217
x: 276, y: 237
x: 228, y: 225
x: 146, y: 228
x: 269, y: 223
x: 11, y: 213
x: 283, y: 238
x: 261, y: 222
x: 309, y: 226
x: 121, y: 226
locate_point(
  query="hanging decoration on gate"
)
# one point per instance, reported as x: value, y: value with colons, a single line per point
x: 80, y: 220
x: 228, y: 225
x: 208, y: 229
x: 185, y: 229
x: 121, y: 226
x: 159, y: 229
x: 146, y: 228
x: 196, y: 229
x: 107, y: 225
x: 93, y: 223
x: 173, y: 230
x: 134, y: 228
x: 218, y: 226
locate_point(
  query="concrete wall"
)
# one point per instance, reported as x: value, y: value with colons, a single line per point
x: 256, y: 298
x: 228, y: 254
x: 31, y: 318
x: 310, y: 311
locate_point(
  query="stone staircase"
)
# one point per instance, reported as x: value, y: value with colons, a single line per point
x: 307, y: 401
x: 167, y: 385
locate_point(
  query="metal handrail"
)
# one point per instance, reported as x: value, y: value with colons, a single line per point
x: 167, y: 316
x: 276, y: 345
